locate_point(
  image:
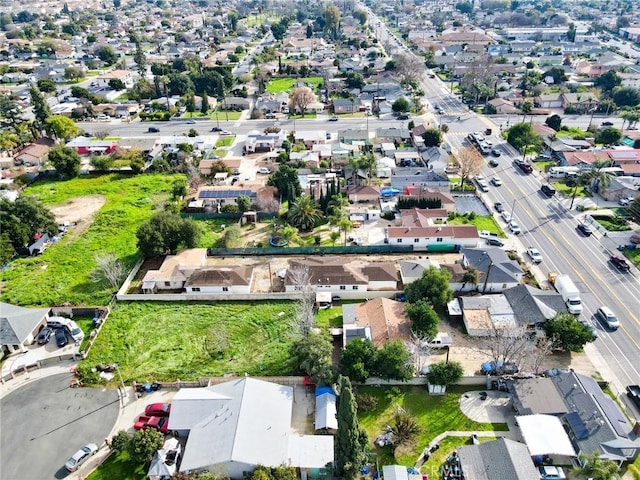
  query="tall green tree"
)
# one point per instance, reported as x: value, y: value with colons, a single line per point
x: 627, y: 97
x: 312, y: 354
x: 139, y: 58
x: 204, y: 104
x: 358, y: 359
x: 40, y: 107
x: 394, y: 361
x: 350, y: 440
x: 554, y: 121
x: 62, y: 127
x: 566, y: 333
x: 432, y: 137
x: 24, y: 218
x: 286, y: 180
x: 597, y: 468
x: 166, y: 233
x: 609, y: 136
x: 424, y: 319
x: 608, y: 81
x: 521, y: 136
x: 433, y: 287
x: 445, y: 373
x: 144, y: 444
x: 191, y: 103
x: 304, y: 213
x: 65, y: 160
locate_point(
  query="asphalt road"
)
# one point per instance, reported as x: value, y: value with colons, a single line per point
x: 45, y: 422
x: 550, y: 226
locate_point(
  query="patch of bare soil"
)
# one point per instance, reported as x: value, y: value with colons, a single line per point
x: 78, y: 211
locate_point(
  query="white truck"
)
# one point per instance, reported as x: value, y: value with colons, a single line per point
x: 441, y: 340
x: 570, y: 293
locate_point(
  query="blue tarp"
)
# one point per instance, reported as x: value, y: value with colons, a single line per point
x: 388, y: 192
x: 324, y: 389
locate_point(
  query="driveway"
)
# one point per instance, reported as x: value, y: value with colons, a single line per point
x: 470, y: 203
x: 45, y: 422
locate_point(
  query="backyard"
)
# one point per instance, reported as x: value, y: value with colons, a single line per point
x: 164, y: 341
x: 434, y: 415
x: 280, y: 85
x: 61, y: 274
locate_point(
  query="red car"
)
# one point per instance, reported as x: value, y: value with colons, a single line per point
x: 159, y: 423
x: 620, y: 263
x: 157, y: 409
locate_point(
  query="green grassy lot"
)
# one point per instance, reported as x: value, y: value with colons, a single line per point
x: 225, y: 141
x: 279, y: 85
x: 61, y: 273
x: 482, y: 222
x: 121, y: 467
x: 434, y: 415
x: 165, y: 341
x: 222, y: 115
x: 613, y: 224
x: 566, y: 190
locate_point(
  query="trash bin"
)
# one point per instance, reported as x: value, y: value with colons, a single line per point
x: 147, y: 388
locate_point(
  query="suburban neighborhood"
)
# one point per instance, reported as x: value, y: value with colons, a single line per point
x: 276, y: 240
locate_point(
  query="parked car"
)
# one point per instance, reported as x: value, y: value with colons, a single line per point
x: 495, y: 242
x: 81, y: 456
x: 153, y: 130
x: 61, y: 337
x: 515, y: 228
x: 551, y: 472
x: 45, y: 335
x: 607, y: 317
x: 157, y: 410
x: 499, y: 207
x: 495, y: 151
x: 586, y: 230
x: 264, y: 171
x: 75, y: 331
x: 191, y: 122
x: 483, y: 186
x: 216, y: 129
x: 625, y: 201
x: 633, y: 392
x: 495, y: 181
x: 335, y: 298
x: 607, y: 124
x: 536, y: 256
x: 526, y: 168
x: 145, y: 421
x: 333, y: 119
x: 506, y: 216
x: 225, y: 132
x: 620, y: 263
x: 270, y: 116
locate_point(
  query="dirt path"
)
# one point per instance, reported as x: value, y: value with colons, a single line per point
x: 79, y: 212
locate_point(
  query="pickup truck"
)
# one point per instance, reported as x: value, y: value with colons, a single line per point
x: 441, y: 340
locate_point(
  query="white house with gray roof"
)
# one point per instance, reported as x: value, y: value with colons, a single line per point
x: 19, y: 326
x: 235, y: 426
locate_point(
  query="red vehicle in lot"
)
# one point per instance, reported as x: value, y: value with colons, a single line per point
x: 157, y: 410
x: 159, y: 423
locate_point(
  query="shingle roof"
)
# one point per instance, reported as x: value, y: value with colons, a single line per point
x: 532, y: 305
x: 500, y: 459
x: 221, y: 276
x: 16, y: 323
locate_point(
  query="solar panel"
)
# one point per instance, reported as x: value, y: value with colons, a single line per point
x: 576, y: 425
x: 614, y: 415
x: 225, y: 193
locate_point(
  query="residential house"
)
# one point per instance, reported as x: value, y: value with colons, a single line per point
x: 92, y: 146
x: 626, y: 158
x: 307, y: 158
x: 334, y: 274
x: 502, y: 458
x: 363, y: 194
x: 125, y: 76
x: 412, y: 270
x: 503, y: 106
x: 350, y: 136
x: 174, y: 271
x: 404, y: 178
x: 435, y: 158
x: 446, y: 199
x: 392, y: 134
x: 592, y: 420
x: 310, y: 137
x: 361, y: 214
x: 381, y: 320
x: 35, y: 154
x: 583, y: 102
x: 582, y: 159
x: 216, y: 197
x: 220, y: 280
x: 622, y: 187
x: 235, y: 426
x: 426, y: 230
x: 344, y: 105
x: 533, y: 306
x: 497, y: 271
x: 484, y: 315
x: 551, y: 100
x: 20, y: 326
x: 257, y: 141
x: 236, y: 103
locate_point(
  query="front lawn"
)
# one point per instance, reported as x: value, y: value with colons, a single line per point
x: 225, y: 141
x: 612, y: 223
x: 279, y: 85
x: 61, y: 274
x: 482, y: 222
x: 167, y: 341
x: 119, y: 466
x: 566, y: 190
x: 223, y: 115
x: 434, y: 415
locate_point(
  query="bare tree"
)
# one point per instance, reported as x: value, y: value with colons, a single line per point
x: 408, y: 67
x: 108, y: 268
x: 101, y: 134
x: 504, y: 344
x: 542, y: 349
x: 268, y: 204
x: 470, y: 162
x: 193, y: 176
x: 301, y: 98
x: 419, y: 347
x: 305, y: 314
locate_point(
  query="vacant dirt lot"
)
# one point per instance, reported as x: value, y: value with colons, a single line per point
x: 77, y: 209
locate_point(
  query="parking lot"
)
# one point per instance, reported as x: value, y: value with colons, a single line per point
x: 45, y: 421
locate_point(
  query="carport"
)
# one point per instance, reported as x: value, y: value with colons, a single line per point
x: 545, y: 437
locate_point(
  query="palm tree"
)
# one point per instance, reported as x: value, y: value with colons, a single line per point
x: 631, y: 116
x: 595, y: 176
x: 304, y: 213
x: 597, y: 468
x: 368, y: 162
x: 471, y: 275
x: 527, y: 107
x: 346, y: 226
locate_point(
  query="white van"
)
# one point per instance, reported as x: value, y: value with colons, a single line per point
x: 58, y: 322
x: 75, y: 331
